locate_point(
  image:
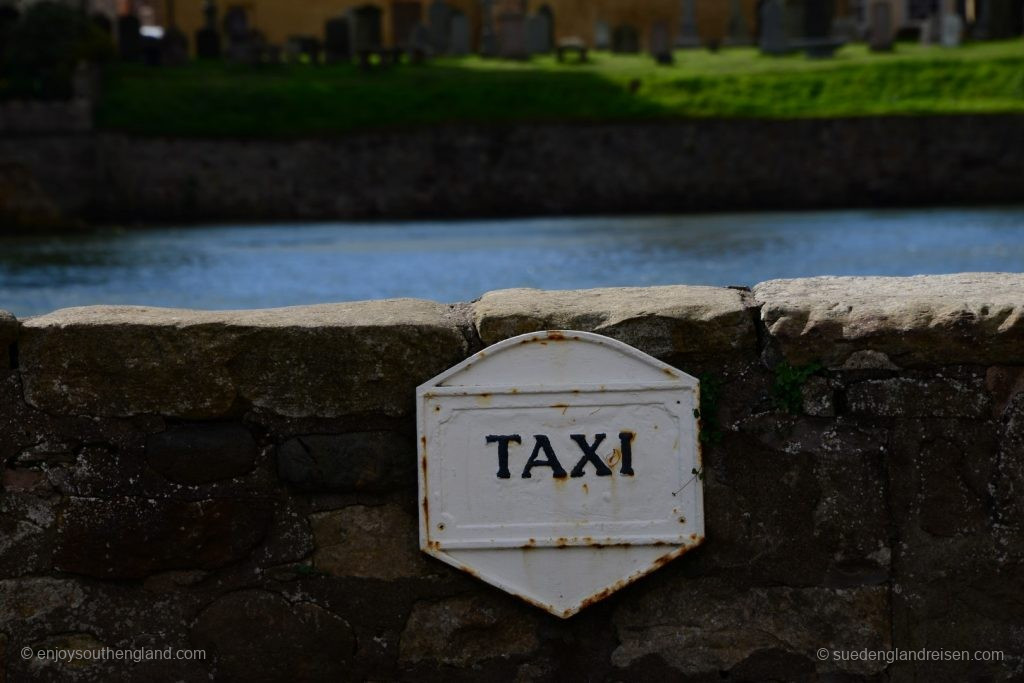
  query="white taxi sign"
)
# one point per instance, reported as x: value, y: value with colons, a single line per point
x: 559, y: 466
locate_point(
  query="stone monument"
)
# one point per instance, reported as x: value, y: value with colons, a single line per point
x: 208, y: 37
x: 688, y: 35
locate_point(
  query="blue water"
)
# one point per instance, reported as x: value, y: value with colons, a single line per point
x: 256, y: 266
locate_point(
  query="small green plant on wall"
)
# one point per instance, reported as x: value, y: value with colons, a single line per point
x: 787, y: 387
x: 710, y: 391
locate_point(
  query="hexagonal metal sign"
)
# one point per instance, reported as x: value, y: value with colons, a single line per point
x: 559, y: 466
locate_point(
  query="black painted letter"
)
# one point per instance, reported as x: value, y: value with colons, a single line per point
x: 543, y: 444
x: 589, y: 455
x: 626, y: 441
x: 503, y: 442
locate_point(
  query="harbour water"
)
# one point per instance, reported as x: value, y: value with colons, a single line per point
x: 259, y: 266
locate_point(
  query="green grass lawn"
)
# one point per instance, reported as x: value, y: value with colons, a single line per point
x: 213, y: 99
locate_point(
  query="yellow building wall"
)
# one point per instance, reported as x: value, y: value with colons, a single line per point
x: 279, y: 19
x: 577, y: 17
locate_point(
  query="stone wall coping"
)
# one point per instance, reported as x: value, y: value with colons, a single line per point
x: 692, y: 321
x: 964, y: 318
x: 350, y: 358
x: 309, y: 361
x: 358, y: 313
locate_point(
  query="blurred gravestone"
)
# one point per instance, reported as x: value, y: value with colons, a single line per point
x: 818, y: 40
x: 537, y: 34
x: 625, y: 40
x: 512, y: 35
x: 208, y: 37
x: 817, y: 19
x: 242, y: 46
x: 687, y: 35
x: 931, y: 30
x: 151, y: 53
x: 794, y: 13
x: 174, y: 47
x: 880, y: 33
x: 129, y: 40
x: 602, y: 36
x: 404, y: 18
x: 549, y: 14
x: 173, y: 42
x: 365, y: 26
x: 982, y: 20
x: 440, y: 19
x: 774, y: 35
x: 952, y: 30
x: 661, y: 43
x: 997, y: 19
x: 737, y: 32
x: 459, y: 41
x: 337, y: 40
x: 488, y: 35
x: 420, y: 44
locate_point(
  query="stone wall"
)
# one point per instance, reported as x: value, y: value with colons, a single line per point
x: 539, y: 169
x: 245, y: 483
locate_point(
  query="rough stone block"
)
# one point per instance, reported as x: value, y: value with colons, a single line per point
x: 38, y: 600
x: 942, y: 475
x: 958, y: 593
x: 920, y: 397
x: 131, y: 538
x: 705, y: 626
x: 26, y: 525
x: 970, y: 318
x: 1009, y: 481
x: 691, y: 323
x: 311, y: 361
x: 380, y: 542
x: 467, y: 630
x: 201, y: 453
x: 818, y: 397
x: 1004, y: 384
x: 809, y: 511
x: 257, y: 635
x: 8, y: 335
x: 289, y: 538
x: 358, y: 462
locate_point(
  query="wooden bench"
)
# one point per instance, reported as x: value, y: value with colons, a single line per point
x: 571, y: 45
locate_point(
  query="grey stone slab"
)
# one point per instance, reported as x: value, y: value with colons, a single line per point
x: 687, y: 35
x: 459, y: 43
x: 662, y: 321
x: 774, y: 32
x: 309, y: 361
x: 602, y: 36
x: 880, y: 25
x: 969, y: 318
x: 538, y: 34
x: 439, y: 17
